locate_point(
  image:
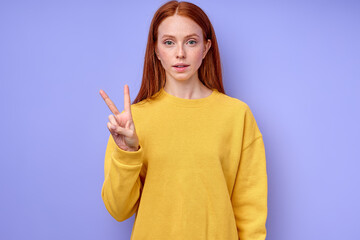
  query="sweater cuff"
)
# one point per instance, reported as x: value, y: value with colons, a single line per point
x: 128, y: 157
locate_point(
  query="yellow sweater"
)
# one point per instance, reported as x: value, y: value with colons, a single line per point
x: 200, y: 172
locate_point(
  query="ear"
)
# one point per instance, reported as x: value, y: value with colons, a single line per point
x: 207, y: 47
x: 157, y: 53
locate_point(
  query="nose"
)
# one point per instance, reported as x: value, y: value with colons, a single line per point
x: 180, y: 52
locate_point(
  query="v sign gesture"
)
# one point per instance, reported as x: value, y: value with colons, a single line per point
x: 121, y: 125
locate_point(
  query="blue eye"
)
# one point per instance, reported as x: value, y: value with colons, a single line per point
x: 168, y: 41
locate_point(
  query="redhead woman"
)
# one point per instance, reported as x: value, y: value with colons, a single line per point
x: 184, y: 157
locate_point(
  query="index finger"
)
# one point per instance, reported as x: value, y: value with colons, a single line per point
x: 109, y: 103
x: 127, y: 100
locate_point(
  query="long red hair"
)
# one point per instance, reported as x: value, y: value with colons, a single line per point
x: 154, y: 74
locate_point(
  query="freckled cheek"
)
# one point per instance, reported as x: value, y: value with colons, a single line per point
x: 198, y: 56
x: 164, y: 57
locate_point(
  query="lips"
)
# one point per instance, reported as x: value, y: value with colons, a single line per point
x: 180, y: 65
x: 181, y: 69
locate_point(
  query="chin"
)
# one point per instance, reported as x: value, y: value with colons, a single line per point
x: 180, y: 76
x: 181, y: 79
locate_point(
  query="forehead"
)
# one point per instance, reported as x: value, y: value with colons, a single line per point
x: 178, y: 26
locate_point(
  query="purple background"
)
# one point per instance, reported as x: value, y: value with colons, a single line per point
x: 295, y: 63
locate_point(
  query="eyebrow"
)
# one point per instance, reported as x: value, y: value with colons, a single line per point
x: 190, y: 35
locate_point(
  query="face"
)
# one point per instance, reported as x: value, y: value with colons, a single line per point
x: 180, y: 41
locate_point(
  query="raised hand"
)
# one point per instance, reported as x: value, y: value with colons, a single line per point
x: 121, y: 125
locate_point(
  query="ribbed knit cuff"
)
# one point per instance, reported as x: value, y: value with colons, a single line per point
x: 128, y: 157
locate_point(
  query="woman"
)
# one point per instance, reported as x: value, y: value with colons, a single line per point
x: 194, y: 167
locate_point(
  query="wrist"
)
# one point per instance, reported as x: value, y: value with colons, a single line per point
x: 134, y: 149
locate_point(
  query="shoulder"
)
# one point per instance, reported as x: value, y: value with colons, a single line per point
x: 232, y: 104
x: 241, y: 111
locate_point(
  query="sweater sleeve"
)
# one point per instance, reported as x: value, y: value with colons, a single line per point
x: 122, y: 185
x: 249, y: 198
